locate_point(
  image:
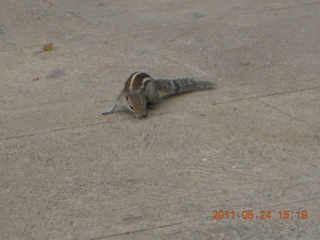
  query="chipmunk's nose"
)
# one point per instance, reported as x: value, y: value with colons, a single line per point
x: 144, y: 115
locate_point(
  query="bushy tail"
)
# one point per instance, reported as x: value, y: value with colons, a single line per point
x: 182, y: 85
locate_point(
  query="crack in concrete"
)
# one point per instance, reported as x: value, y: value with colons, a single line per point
x: 54, y: 130
x: 287, y: 114
x: 137, y: 231
x: 272, y: 9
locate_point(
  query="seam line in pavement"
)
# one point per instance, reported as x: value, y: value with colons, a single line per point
x: 137, y: 231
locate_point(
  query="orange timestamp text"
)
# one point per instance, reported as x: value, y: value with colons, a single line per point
x: 251, y: 214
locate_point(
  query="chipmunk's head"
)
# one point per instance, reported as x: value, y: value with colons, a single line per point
x: 137, y: 104
x: 134, y: 88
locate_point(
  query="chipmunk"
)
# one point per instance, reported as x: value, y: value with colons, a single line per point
x: 141, y: 91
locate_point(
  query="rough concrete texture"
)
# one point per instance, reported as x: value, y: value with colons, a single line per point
x: 253, y: 144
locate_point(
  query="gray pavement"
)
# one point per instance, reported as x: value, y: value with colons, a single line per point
x: 253, y: 144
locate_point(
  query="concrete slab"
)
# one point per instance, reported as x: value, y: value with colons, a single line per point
x: 253, y: 144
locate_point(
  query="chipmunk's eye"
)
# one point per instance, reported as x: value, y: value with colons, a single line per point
x: 131, y: 107
x: 127, y: 97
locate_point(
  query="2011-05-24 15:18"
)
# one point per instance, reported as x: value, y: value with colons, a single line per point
x: 250, y: 214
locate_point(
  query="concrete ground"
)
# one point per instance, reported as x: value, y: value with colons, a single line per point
x: 253, y: 144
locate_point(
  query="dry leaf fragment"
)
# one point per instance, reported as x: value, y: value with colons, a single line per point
x: 100, y: 4
x: 47, y: 47
x: 244, y: 64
